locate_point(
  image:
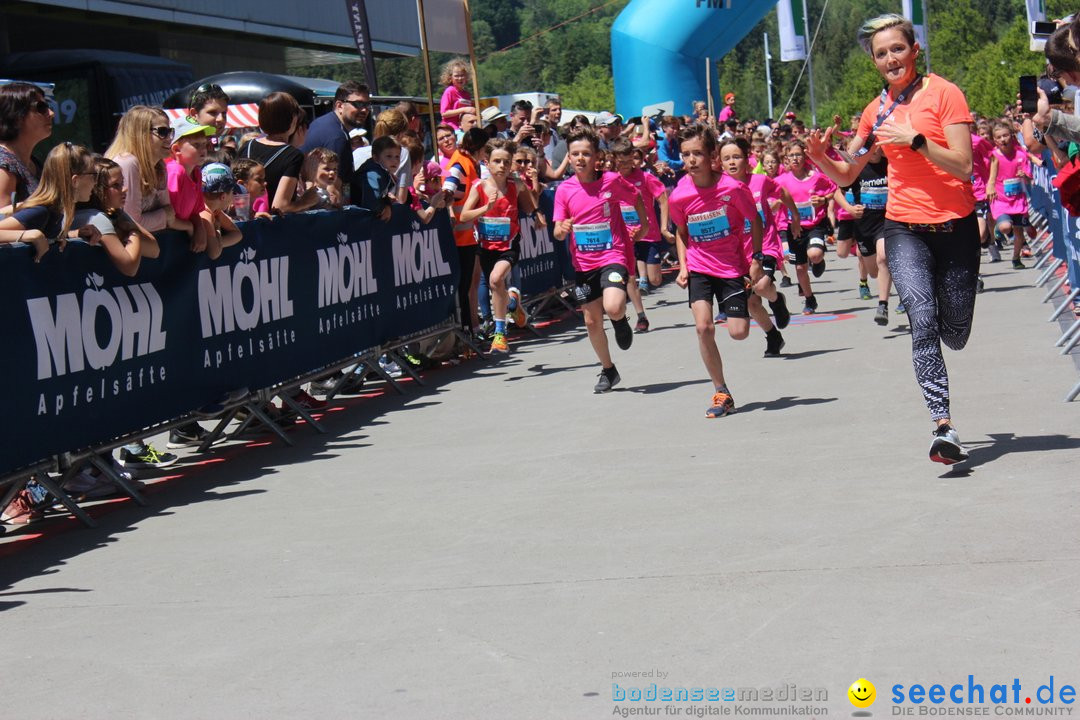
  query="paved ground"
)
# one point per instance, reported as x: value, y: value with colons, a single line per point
x: 502, y: 543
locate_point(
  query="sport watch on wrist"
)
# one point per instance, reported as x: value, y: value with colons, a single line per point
x: 759, y: 256
x: 918, y: 141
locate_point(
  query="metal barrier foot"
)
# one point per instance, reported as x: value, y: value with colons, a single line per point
x: 1063, y: 306
x: 1048, y: 272
x: 373, y: 365
x: 105, y: 468
x: 1068, y: 334
x: 257, y: 412
x: 406, y: 366
x: 55, y: 488
x: 302, y: 412
x: 218, y: 430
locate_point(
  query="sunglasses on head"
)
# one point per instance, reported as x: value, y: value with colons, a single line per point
x: 204, y: 88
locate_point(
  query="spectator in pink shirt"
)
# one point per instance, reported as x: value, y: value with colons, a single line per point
x: 456, y: 99
x: 184, y: 179
x: 728, y: 111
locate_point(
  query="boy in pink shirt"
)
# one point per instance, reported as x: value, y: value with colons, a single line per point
x: 1010, y: 168
x: 587, y: 212
x: 184, y: 178
x: 710, y: 212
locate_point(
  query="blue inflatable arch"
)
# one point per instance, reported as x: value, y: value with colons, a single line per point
x: 659, y: 47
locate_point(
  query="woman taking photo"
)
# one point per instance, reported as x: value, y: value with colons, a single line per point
x: 931, y: 235
x: 25, y: 120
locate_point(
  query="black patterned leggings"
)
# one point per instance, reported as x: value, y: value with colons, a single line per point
x: 935, y: 275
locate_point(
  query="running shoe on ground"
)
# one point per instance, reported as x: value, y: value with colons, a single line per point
x: 780, y: 311
x: 146, y: 459
x: 390, y: 367
x: 818, y: 269
x: 192, y: 436
x: 1017, y: 265
x: 720, y: 317
x: 307, y: 402
x: 785, y: 281
x: 810, y: 306
x: 521, y: 319
x: 946, y: 447
x: 881, y: 317
x: 624, y: 336
x: 774, y: 343
x: 609, y: 378
x: 642, y: 324
x: 900, y: 309
x: 864, y: 291
x: 499, y: 345
x: 643, y: 289
x: 722, y: 405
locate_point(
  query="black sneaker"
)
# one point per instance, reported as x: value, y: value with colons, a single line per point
x: 146, y: 459
x: 818, y: 269
x: 642, y: 324
x: 979, y: 285
x: 624, y: 334
x: 881, y: 317
x: 774, y: 343
x: 1017, y: 265
x: 609, y: 378
x: 785, y: 281
x: 189, y: 436
x: 946, y: 447
x: 780, y: 312
x: 810, y: 306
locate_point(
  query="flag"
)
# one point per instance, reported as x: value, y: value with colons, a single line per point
x: 789, y: 15
x: 358, y: 21
x: 913, y: 11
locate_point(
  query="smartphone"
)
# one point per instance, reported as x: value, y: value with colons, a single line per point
x: 539, y: 128
x: 1029, y: 95
x: 1042, y: 28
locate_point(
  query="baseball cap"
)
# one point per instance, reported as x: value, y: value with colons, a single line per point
x: 603, y: 119
x: 182, y: 127
x: 789, y: 115
x: 217, y: 177
x: 491, y: 114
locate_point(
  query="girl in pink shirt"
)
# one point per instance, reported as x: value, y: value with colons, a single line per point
x: 1010, y: 167
x: 588, y: 215
x: 981, y: 148
x: 456, y: 99
x: 710, y: 212
x: 733, y: 158
x: 811, y: 190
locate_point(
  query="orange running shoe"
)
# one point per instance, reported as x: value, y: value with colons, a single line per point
x: 722, y: 405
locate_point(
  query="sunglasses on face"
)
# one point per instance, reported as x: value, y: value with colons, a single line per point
x: 161, y: 132
x: 41, y: 107
x: 523, y: 162
x: 358, y: 104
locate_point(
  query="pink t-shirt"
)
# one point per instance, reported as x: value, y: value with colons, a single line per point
x: 452, y: 99
x: 260, y: 204
x: 599, y: 236
x: 726, y: 113
x: 1010, y: 196
x: 980, y: 164
x: 764, y: 189
x: 650, y: 188
x: 816, y: 183
x: 714, y: 218
x: 185, y: 191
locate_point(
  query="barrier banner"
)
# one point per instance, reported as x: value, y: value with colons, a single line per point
x: 1064, y: 227
x: 538, y: 262
x: 92, y: 354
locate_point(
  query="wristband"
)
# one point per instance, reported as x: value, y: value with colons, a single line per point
x: 918, y: 142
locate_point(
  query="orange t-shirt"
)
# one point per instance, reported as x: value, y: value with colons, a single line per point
x: 464, y: 233
x: 920, y: 191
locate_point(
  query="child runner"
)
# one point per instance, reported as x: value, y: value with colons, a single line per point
x: 587, y: 211
x: 981, y: 149
x: 1009, y: 168
x: 811, y: 191
x: 733, y: 158
x: 710, y: 212
x: 495, y: 204
x: 771, y: 163
x: 866, y: 201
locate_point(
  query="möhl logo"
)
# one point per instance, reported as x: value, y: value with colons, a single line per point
x: 345, y: 272
x: 418, y: 257
x: 223, y: 306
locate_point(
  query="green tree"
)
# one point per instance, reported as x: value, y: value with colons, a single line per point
x: 592, y: 89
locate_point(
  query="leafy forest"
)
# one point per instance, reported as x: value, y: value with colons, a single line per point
x: 982, y: 45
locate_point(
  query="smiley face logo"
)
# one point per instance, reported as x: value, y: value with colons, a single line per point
x: 862, y: 693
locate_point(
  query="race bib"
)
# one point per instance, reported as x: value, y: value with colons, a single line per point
x: 1013, y: 187
x: 629, y: 216
x: 806, y: 212
x: 493, y: 229
x: 593, y: 238
x: 708, y: 226
x: 875, y: 198
x: 850, y: 197
x: 747, y: 225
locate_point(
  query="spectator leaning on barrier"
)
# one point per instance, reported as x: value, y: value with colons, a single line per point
x: 320, y: 171
x: 125, y: 242
x: 48, y: 215
x: 375, y: 177
x: 25, y: 120
x: 251, y: 176
x: 333, y: 131
x: 183, y: 176
x: 218, y: 187
x: 278, y: 118
x: 143, y: 141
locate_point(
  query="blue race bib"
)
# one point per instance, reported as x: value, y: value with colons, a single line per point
x: 875, y: 198
x: 493, y: 229
x: 1013, y: 187
x: 629, y: 216
x: 850, y: 197
x: 806, y: 212
x: 593, y: 238
x: 708, y: 226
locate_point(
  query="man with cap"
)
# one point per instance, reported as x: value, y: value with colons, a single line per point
x: 728, y: 111
x: 608, y: 127
x: 494, y: 122
x: 352, y: 110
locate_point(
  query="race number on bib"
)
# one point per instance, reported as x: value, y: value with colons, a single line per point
x: 629, y: 216
x: 1013, y: 187
x: 875, y: 198
x: 708, y: 226
x: 593, y: 238
x: 806, y: 212
x: 493, y: 230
